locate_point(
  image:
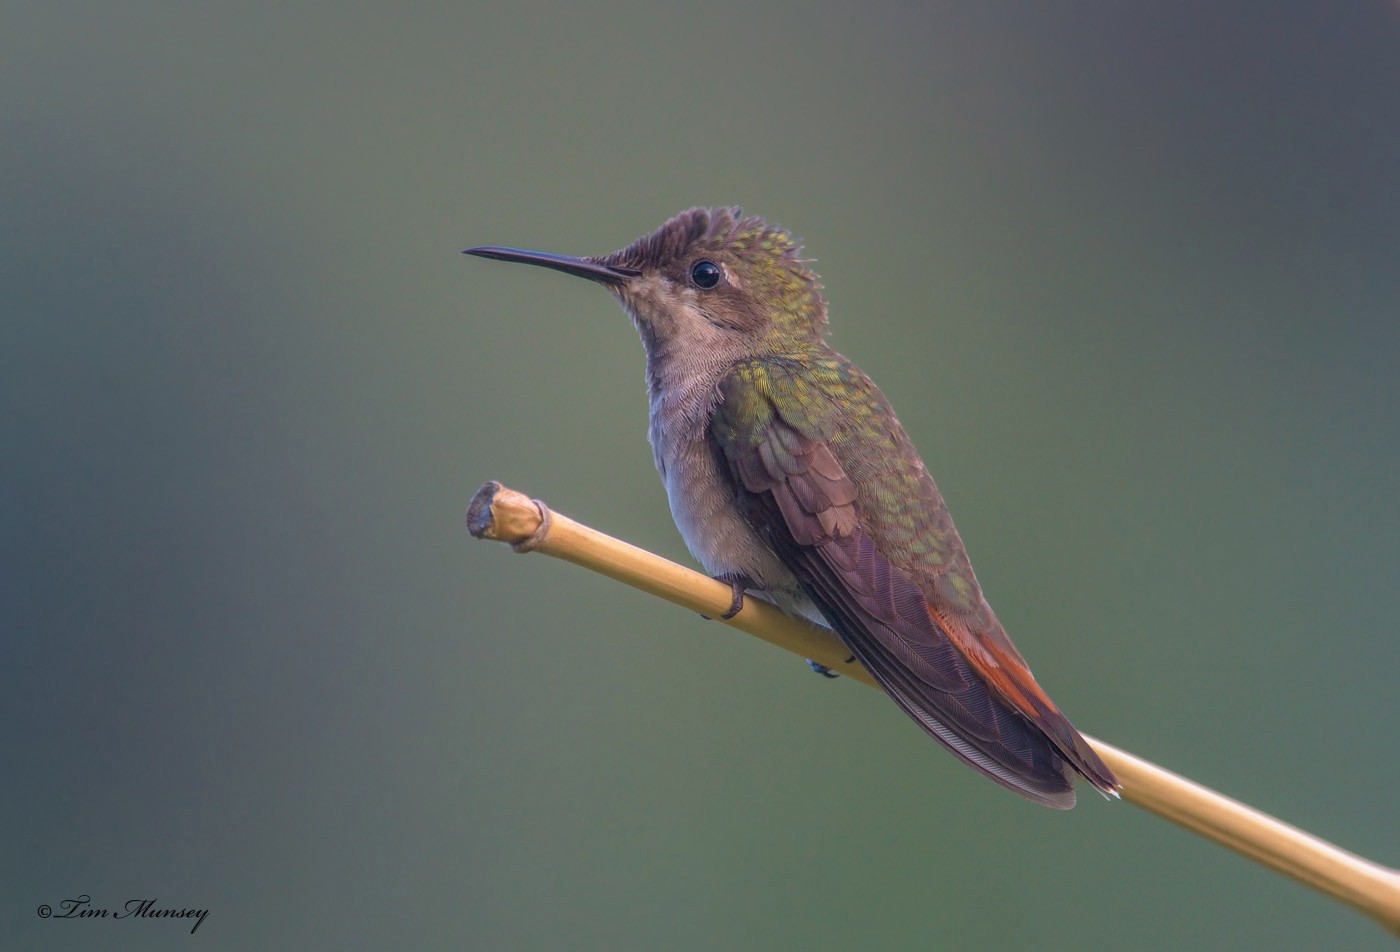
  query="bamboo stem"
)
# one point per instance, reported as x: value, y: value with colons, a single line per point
x: 528, y: 525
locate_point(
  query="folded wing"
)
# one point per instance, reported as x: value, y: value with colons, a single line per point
x: 971, y: 692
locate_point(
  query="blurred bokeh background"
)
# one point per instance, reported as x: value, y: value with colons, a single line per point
x: 1128, y: 271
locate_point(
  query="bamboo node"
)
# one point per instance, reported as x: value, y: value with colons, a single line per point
x: 533, y: 540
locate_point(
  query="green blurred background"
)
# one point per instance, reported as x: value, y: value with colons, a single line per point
x: 1128, y: 271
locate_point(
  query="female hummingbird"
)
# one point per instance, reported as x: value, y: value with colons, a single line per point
x: 789, y: 476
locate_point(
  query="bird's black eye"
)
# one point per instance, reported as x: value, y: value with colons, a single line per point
x: 705, y: 274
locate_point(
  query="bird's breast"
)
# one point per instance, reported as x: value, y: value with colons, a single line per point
x: 704, y: 508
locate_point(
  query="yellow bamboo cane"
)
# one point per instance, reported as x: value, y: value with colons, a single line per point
x: 528, y: 525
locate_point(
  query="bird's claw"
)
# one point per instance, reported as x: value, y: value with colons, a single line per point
x: 821, y: 669
x: 738, y: 584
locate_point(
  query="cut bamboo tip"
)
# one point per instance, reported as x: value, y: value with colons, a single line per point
x: 526, y: 524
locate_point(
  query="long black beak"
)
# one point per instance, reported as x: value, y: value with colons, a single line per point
x: 579, y: 267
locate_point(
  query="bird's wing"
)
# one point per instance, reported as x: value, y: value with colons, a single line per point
x: 775, y: 430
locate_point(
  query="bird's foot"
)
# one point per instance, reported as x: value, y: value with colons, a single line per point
x: 821, y: 669
x: 738, y: 583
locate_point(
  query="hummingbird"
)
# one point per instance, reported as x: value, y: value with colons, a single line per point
x: 790, y: 477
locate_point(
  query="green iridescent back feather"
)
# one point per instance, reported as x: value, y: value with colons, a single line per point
x: 822, y: 395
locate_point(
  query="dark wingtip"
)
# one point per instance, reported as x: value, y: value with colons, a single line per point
x: 1079, y: 753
